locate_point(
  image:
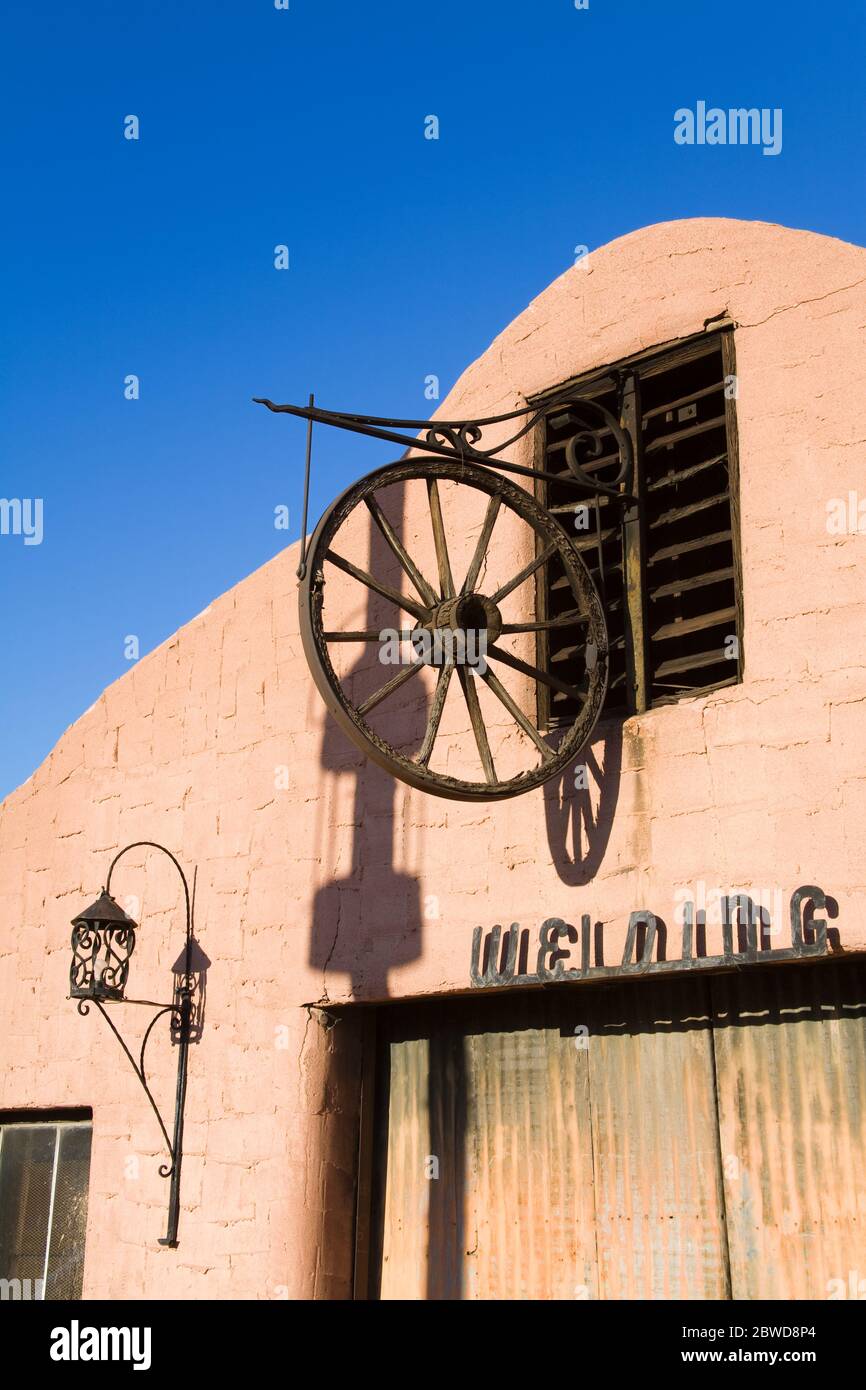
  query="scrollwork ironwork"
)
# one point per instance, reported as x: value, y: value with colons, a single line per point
x: 458, y: 439
x: 100, y: 960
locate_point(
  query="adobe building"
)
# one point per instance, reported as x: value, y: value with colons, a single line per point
x: 602, y: 1039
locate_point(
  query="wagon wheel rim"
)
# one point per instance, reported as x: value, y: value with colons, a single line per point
x: 440, y: 601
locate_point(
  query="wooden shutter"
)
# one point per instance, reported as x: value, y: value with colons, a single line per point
x: 691, y: 575
x: 668, y: 569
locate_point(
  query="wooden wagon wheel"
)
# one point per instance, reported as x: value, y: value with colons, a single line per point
x: 448, y: 603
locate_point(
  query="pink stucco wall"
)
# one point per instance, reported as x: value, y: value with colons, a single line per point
x: 345, y: 884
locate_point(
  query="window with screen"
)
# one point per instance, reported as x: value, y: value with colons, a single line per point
x: 667, y: 566
x: 44, y: 1173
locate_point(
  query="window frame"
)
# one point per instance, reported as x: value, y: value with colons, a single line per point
x: 646, y: 364
x: 59, y: 1122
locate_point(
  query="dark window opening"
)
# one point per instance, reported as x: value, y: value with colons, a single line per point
x: 44, y: 1176
x: 667, y: 569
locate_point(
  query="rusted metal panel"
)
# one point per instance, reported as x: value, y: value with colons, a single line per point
x: 530, y: 1231
x: 658, y: 1195
x: 496, y: 1104
x: 658, y: 1139
x: 406, y: 1195
x: 791, y: 1062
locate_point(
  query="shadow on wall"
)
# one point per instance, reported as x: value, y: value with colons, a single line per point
x: 580, y: 817
x: 196, y: 983
x: 369, y: 921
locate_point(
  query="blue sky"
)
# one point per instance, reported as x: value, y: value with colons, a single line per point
x: 305, y: 127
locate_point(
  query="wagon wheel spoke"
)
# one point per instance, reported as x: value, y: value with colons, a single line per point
x: 446, y: 580
x: 477, y: 721
x: 367, y: 634
x: 436, y: 709
x: 517, y: 714
x: 390, y: 686
x: 483, y: 542
x: 541, y: 559
x: 534, y: 672
x: 425, y: 590
x: 407, y: 604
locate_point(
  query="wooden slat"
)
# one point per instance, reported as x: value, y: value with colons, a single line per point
x: 697, y: 662
x: 682, y: 400
x: 569, y: 653
x: 676, y: 514
x: 557, y: 445
x: 671, y: 552
x: 693, y: 690
x: 686, y: 626
x: 673, y: 479
x: 591, y: 466
x: 610, y: 567
x: 678, y: 436
x: 564, y: 508
x: 697, y: 581
x: 590, y: 541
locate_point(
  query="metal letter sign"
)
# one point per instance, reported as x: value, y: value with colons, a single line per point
x: 495, y: 964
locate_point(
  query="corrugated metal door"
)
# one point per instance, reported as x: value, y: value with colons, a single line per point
x: 685, y: 1138
x: 658, y: 1194
x: 484, y: 1153
x: 791, y: 1059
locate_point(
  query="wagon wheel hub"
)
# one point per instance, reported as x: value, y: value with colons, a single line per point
x: 459, y: 630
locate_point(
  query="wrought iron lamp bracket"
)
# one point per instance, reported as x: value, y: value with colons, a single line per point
x: 181, y: 1015
x: 165, y: 1169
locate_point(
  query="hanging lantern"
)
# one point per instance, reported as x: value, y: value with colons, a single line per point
x: 103, y: 939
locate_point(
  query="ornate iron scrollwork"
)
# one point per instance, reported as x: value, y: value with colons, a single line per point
x: 457, y: 439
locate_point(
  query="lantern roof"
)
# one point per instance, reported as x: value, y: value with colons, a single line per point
x: 104, y: 910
